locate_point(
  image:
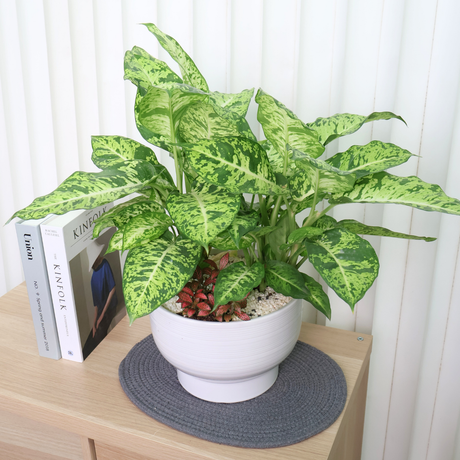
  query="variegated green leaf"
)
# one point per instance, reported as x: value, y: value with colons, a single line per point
x: 285, y: 279
x: 116, y: 242
x: 298, y: 206
x: 145, y: 133
x: 305, y: 162
x: 279, y: 237
x: 162, y: 180
x: 325, y: 223
x: 342, y: 124
x: 201, y: 217
x: 161, y: 109
x: 236, y: 163
x: 262, y: 231
x: 106, y: 220
x: 370, y: 158
x: 121, y: 214
x: 145, y: 227
x: 200, y: 121
x: 244, y: 222
x: 190, y: 73
x: 145, y: 71
x: 244, y: 129
x: 110, y: 150
x: 236, y: 281
x: 155, y: 272
x: 276, y: 159
x: 224, y: 242
x: 297, y: 236
x: 309, y: 179
x: 410, y: 191
x: 84, y: 190
x: 347, y: 263
x: 231, y: 106
x: 362, y: 229
x: 281, y: 127
x: 316, y: 296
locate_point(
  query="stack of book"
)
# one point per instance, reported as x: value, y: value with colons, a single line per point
x: 74, y: 287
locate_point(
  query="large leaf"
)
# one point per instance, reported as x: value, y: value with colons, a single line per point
x: 316, y: 296
x: 155, y: 272
x: 276, y: 159
x: 236, y: 281
x: 200, y: 121
x: 145, y: 71
x: 190, y: 73
x: 160, y: 111
x: 84, y: 190
x: 116, y: 242
x: 347, y: 263
x: 236, y: 163
x: 298, y: 235
x: 120, y: 215
x: 305, y: 162
x: 410, y: 191
x: 281, y: 127
x: 145, y: 227
x: 243, y: 223
x: 342, y: 124
x: 224, y: 242
x: 231, y: 106
x: 244, y: 129
x: 308, y: 180
x: 363, y: 229
x: 162, y: 180
x: 279, y: 237
x: 285, y: 279
x: 202, y: 216
x: 370, y: 158
x: 110, y: 150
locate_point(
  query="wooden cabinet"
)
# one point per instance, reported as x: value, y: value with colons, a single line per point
x: 57, y: 410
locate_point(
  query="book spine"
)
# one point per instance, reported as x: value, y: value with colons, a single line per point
x: 62, y: 293
x: 38, y: 289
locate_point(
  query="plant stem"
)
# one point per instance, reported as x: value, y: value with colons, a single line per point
x: 252, y: 202
x: 253, y: 252
x: 188, y: 185
x: 326, y: 210
x: 297, y: 249
x: 247, y: 256
x: 263, y: 210
x: 276, y: 209
x: 301, y: 262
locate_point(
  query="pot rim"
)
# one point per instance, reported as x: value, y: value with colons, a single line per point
x: 234, y: 323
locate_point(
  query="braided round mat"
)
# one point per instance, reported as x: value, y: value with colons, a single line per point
x: 307, y: 397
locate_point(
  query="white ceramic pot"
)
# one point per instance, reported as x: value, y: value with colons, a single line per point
x: 227, y: 362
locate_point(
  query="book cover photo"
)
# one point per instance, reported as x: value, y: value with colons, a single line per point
x: 86, y: 283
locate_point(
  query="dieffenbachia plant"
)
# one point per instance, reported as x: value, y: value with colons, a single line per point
x: 232, y: 191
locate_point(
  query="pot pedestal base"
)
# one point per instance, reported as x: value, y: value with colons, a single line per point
x: 228, y: 391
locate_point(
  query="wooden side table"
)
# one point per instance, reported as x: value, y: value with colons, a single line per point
x: 58, y: 410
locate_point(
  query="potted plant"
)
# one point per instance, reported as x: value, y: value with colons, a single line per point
x: 233, y: 192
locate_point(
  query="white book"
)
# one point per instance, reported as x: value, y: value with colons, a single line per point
x: 81, y: 276
x: 38, y: 288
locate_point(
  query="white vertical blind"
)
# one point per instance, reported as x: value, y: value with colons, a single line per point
x: 61, y: 81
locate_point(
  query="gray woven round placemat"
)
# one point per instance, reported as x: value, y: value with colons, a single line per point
x: 307, y: 397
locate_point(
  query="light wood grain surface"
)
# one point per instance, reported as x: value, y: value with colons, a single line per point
x: 87, y: 399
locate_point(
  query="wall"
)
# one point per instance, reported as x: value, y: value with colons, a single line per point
x: 61, y: 75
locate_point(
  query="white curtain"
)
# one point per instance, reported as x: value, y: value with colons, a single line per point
x: 61, y: 80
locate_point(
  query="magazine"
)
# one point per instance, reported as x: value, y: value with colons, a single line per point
x: 38, y: 288
x: 85, y: 283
